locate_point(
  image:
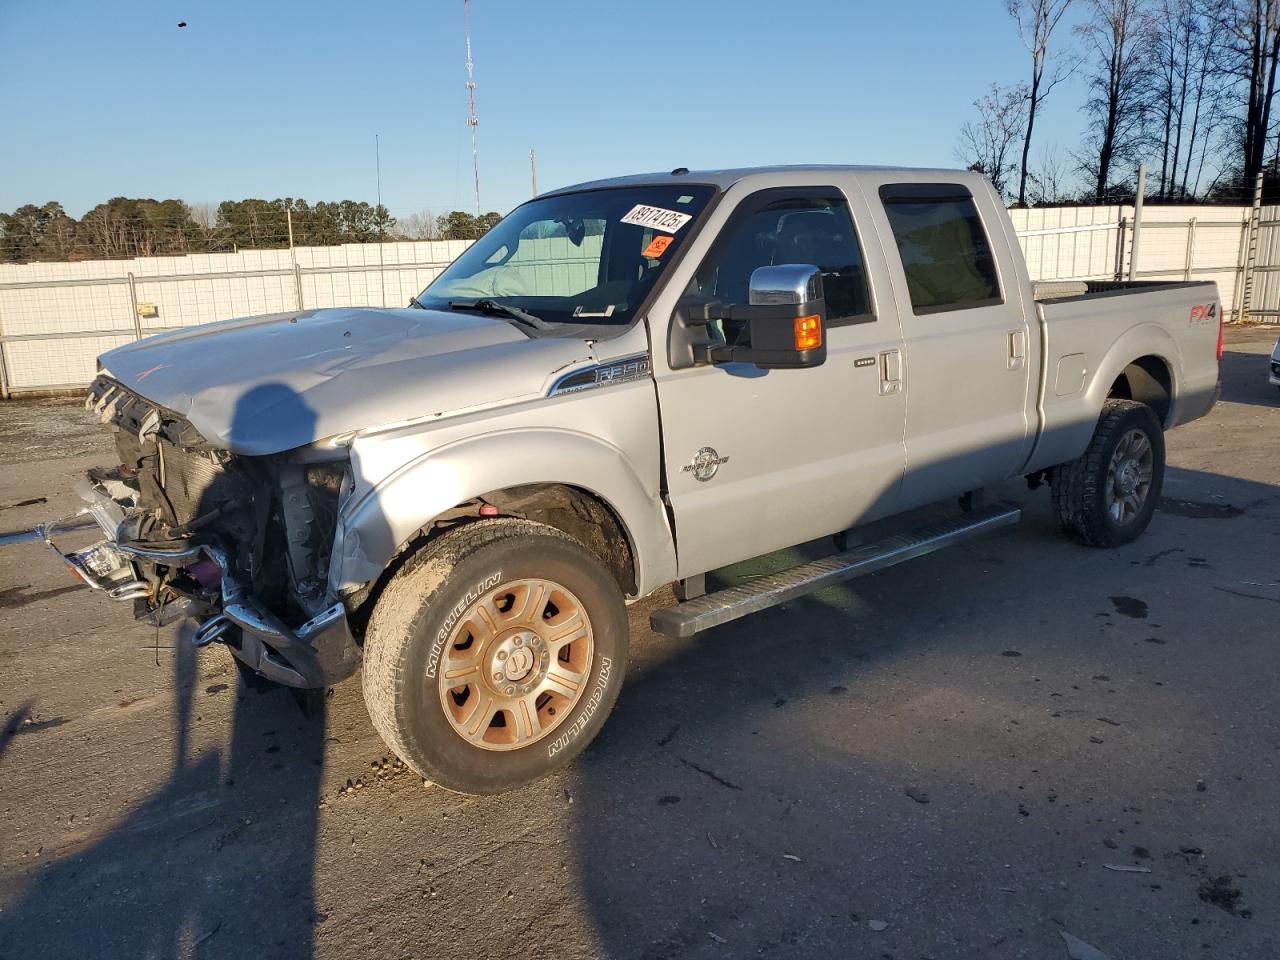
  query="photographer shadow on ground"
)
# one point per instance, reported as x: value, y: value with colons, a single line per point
x: 221, y: 858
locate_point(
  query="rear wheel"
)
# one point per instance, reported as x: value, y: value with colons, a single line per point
x: 493, y: 658
x: 1106, y: 496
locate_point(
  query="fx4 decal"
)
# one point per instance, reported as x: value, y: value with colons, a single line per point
x: 1204, y: 312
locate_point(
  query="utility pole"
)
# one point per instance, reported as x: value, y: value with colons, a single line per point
x: 471, y: 100
x: 293, y: 258
x: 377, y: 213
x: 533, y: 169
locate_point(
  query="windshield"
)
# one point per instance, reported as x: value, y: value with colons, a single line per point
x: 585, y: 258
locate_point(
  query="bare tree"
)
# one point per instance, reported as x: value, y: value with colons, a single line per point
x: 1171, y: 27
x: 1218, y: 128
x: 1206, y: 110
x: 1251, y: 51
x: 205, y: 215
x: 1113, y: 34
x: 419, y: 226
x: 1186, y: 90
x: 987, y: 144
x: 1049, y: 179
x: 1036, y: 20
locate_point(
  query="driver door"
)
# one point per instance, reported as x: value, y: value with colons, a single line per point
x: 757, y: 460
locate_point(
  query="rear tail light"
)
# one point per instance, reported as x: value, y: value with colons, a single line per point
x: 1220, y: 334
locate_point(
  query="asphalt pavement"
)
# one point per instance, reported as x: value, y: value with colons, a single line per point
x: 983, y: 753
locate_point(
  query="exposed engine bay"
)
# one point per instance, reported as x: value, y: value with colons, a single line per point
x: 241, y: 542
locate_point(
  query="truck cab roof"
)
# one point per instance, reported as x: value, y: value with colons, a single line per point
x: 773, y: 176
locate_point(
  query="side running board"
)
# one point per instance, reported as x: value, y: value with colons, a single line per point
x: 694, y: 616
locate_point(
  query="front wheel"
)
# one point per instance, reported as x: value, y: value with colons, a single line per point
x: 1106, y: 496
x: 495, y: 655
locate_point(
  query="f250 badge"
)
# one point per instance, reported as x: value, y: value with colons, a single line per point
x: 705, y: 463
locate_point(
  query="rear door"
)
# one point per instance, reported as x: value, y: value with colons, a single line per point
x: 757, y: 460
x: 970, y: 417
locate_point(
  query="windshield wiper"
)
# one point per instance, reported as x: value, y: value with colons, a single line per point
x: 494, y: 306
x: 415, y: 302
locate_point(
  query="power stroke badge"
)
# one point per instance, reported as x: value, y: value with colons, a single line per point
x: 705, y: 463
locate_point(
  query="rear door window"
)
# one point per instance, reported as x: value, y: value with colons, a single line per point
x: 945, y: 253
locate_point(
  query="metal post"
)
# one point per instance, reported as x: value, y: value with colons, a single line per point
x: 293, y: 258
x: 1191, y: 248
x: 4, y: 375
x: 1120, y: 237
x: 1137, y: 221
x: 133, y: 300
x: 4, y: 368
x: 1238, y: 278
x: 533, y: 169
x: 1244, y: 302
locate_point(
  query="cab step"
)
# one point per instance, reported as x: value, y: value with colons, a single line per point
x: 713, y: 609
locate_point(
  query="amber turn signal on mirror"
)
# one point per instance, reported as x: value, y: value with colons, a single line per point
x: 808, y: 332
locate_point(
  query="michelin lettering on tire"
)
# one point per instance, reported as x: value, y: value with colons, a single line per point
x: 472, y: 595
x: 588, y: 710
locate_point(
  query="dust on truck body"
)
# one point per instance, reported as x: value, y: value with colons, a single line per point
x: 623, y: 385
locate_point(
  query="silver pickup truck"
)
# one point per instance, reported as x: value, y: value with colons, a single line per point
x: 623, y: 385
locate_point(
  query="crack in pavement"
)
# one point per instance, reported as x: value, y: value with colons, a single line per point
x: 709, y: 773
x: 1248, y: 596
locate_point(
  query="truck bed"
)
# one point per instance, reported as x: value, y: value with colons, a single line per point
x: 1160, y: 336
x: 1058, y: 291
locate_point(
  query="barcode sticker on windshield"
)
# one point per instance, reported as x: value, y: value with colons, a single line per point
x: 668, y: 221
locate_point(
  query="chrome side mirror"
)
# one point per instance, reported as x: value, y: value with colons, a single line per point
x: 786, y: 315
x: 788, y: 283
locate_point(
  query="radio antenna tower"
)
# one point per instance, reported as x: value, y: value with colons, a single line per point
x: 471, y: 100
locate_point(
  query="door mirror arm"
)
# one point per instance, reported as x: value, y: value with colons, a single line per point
x: 783, y: 336
x: 786, y: 315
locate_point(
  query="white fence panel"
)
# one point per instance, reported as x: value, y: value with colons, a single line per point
x: 1070, y: 243
x: 56, y: 318
x: 1266, y: 272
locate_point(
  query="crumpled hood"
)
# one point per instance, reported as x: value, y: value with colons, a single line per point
x: 261, y: 385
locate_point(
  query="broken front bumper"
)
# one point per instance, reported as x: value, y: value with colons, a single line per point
x: 319, y: 653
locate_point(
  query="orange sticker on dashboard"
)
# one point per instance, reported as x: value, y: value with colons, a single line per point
x: 657, y: 247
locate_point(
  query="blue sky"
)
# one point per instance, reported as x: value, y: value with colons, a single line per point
x: 274, y: 98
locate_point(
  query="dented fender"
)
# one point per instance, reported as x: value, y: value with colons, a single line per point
x: 403, y: 480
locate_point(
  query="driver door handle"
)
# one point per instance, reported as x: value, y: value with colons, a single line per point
x: 890, y: 372
x: 1017, y: 349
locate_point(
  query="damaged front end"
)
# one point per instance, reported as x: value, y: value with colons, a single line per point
x: 241, y: 543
